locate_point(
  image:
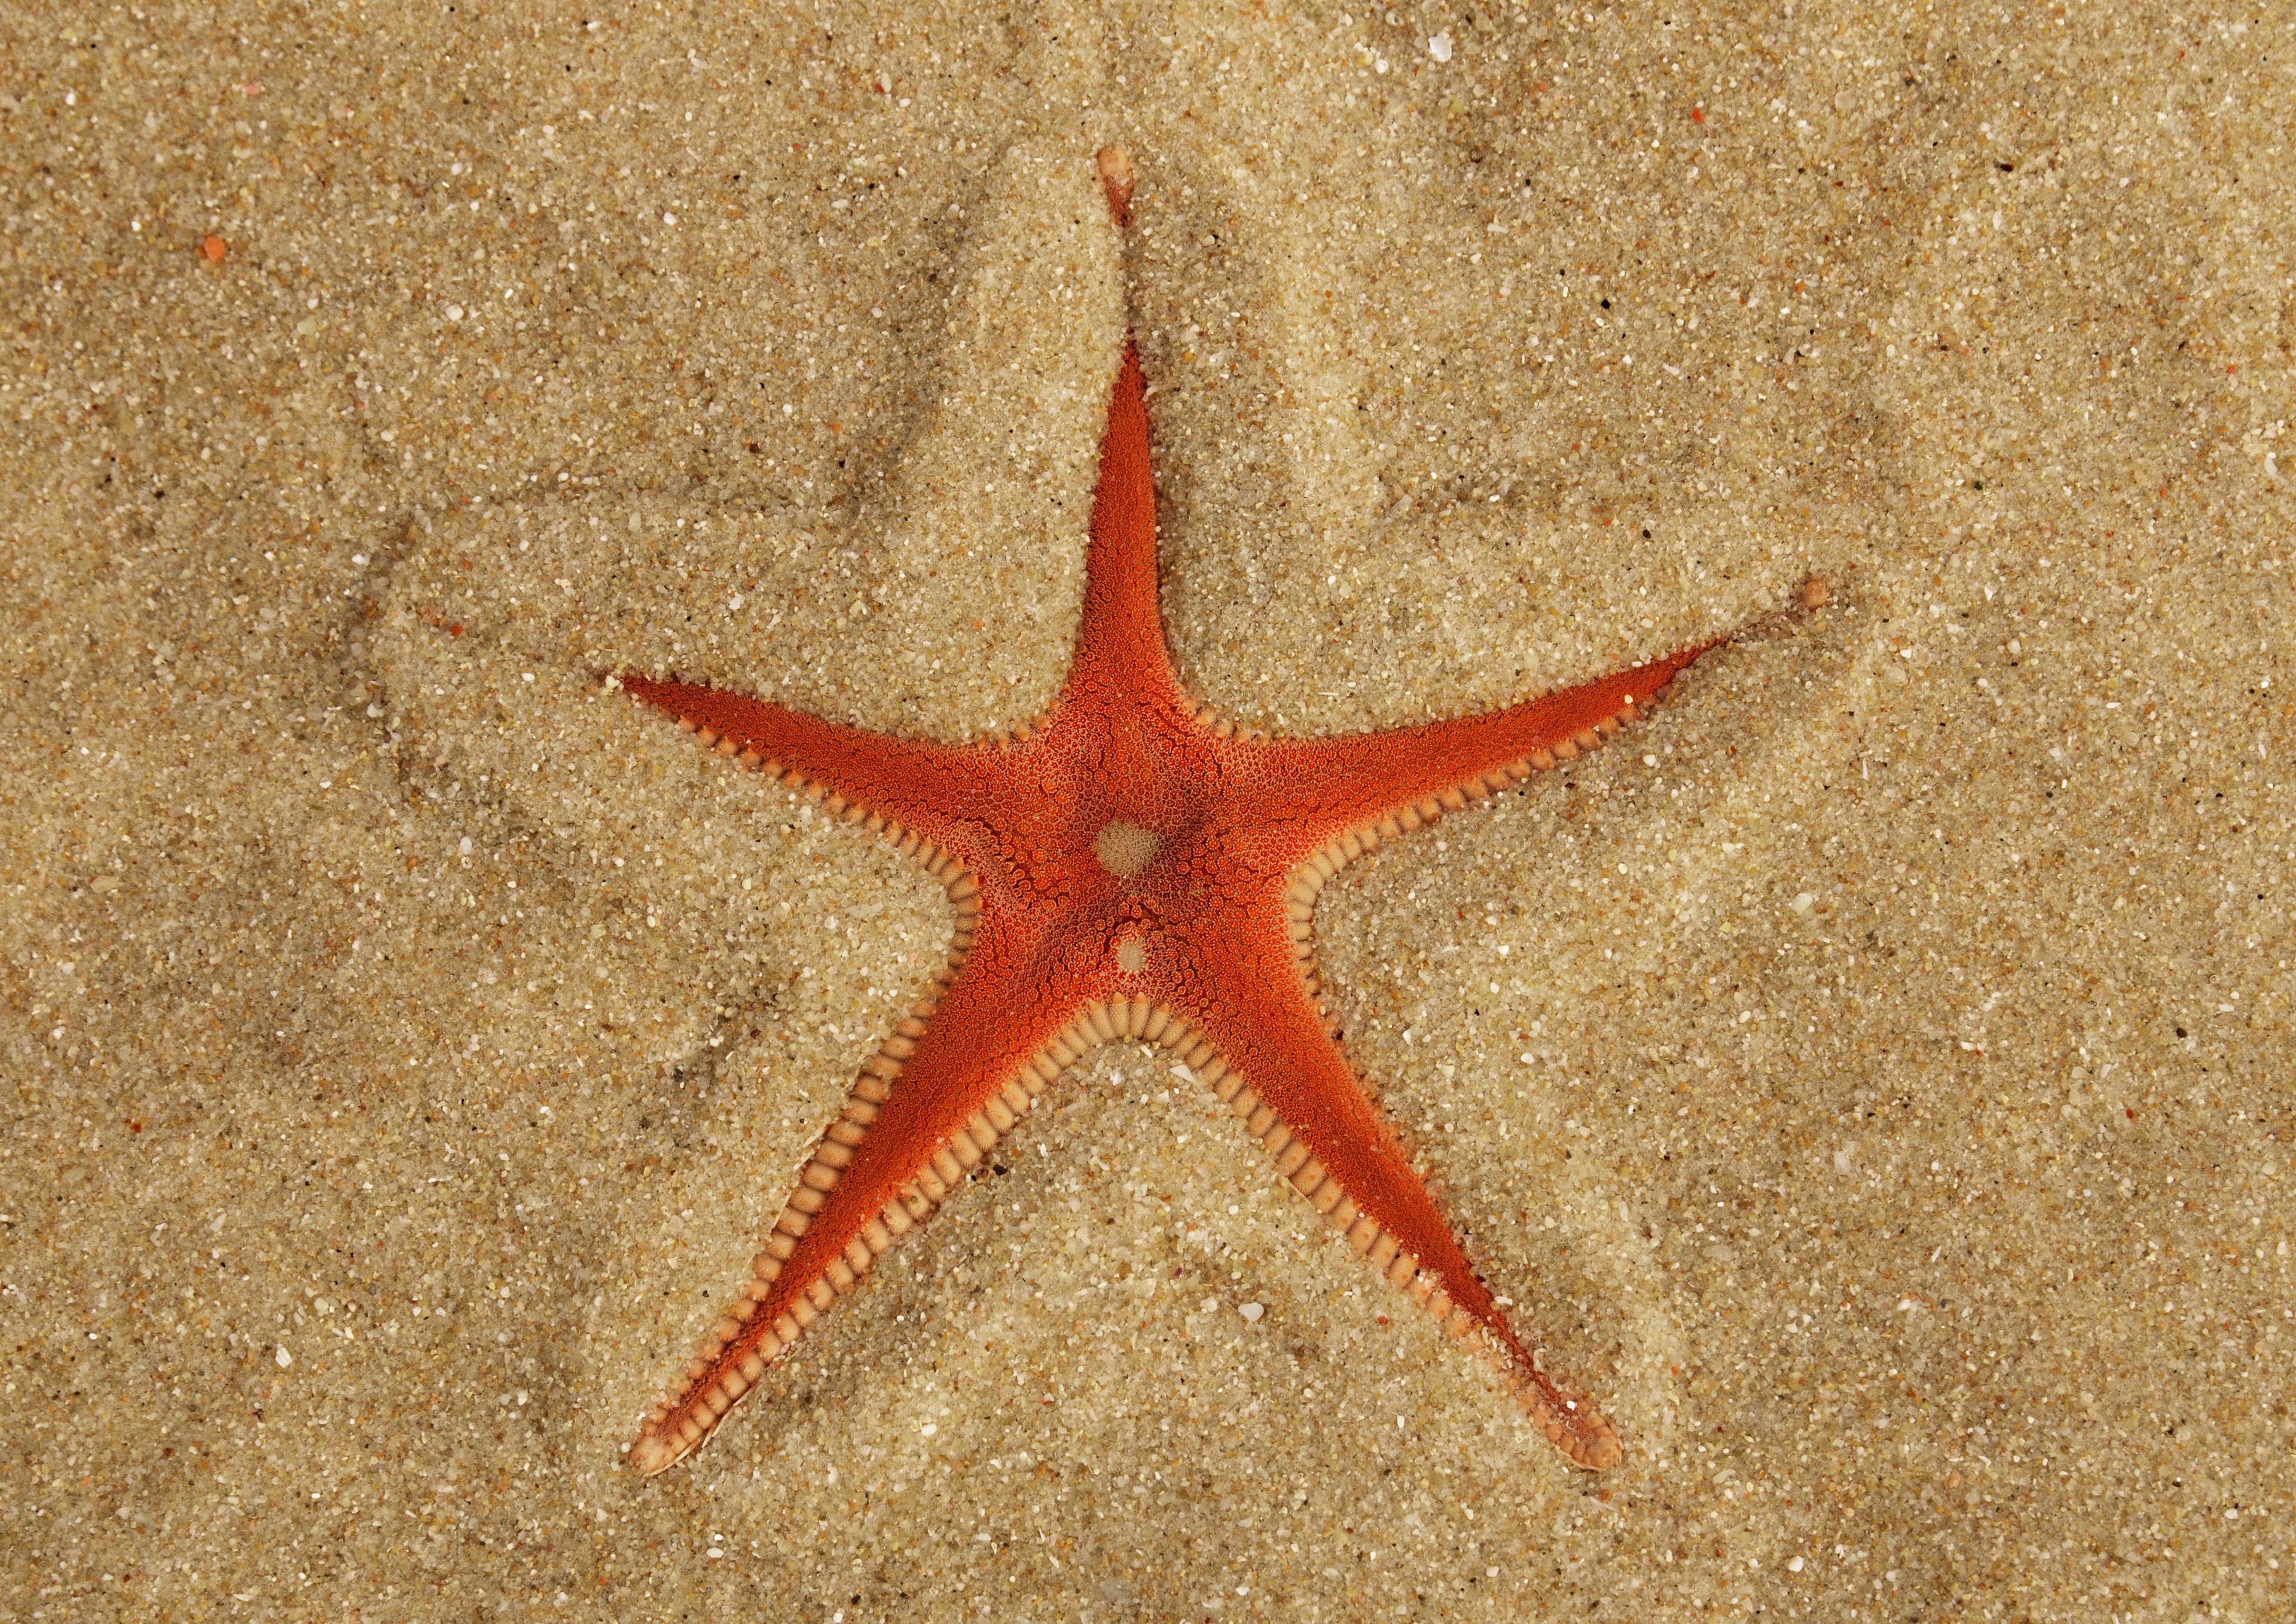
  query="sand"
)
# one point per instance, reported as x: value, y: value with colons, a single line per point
x: 1870, y: 1077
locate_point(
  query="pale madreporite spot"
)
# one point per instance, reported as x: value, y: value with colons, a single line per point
x: 1124, y: 850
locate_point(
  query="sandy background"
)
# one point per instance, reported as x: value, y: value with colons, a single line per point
x: 1873, y: 1080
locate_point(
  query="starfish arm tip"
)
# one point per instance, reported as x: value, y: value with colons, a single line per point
x: 1586, y: 1437
x: 1115, y: 165
x: 1599, y: 1448
x: 652, y: 1455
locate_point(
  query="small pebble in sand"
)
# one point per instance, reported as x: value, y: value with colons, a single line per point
x: 284, y: 1357
x: 1251, y: 1311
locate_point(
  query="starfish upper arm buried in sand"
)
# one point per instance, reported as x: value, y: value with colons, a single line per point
x: 1129, y: 866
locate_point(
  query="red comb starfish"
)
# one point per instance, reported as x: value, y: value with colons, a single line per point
x: 1130, y: 865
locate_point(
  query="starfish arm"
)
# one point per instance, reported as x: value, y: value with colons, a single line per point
x: 926, y: 797
x: 1285, y: 1073
x: 1337, y: 792
x: 924, y: 1113
x: 1119, y: 644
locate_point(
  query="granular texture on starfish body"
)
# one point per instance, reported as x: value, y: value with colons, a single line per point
x: 1128, y: 867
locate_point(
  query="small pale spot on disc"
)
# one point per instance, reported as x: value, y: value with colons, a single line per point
x: 1124, y: 849
x: 1130, y: 956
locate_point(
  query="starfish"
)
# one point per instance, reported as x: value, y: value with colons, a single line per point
x: 1128, y: 865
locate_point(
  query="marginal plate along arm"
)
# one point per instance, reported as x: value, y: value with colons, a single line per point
x: 1338, y: 1148
x: 922, y: 1115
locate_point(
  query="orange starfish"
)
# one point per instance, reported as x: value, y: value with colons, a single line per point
x: 1129, y: 866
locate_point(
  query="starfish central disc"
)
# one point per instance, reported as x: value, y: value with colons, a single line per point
x: 1125, y: 849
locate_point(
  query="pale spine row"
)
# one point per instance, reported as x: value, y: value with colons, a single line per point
x: 684, y: 1419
